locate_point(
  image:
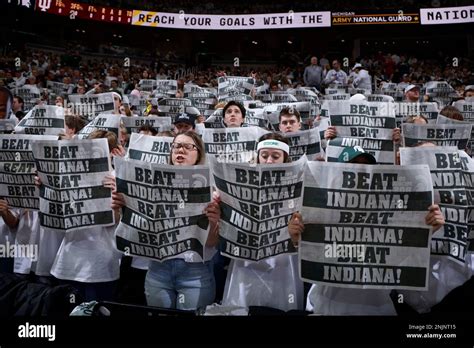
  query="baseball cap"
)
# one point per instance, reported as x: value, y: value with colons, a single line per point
x: 185, y: 118
x: 357, y: 97
x: 352, y: 152
x: 410, y: 87
x: 357, y: 66
x: 469, y: 88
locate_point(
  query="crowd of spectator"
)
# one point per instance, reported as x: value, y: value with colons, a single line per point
x: 74, y: 69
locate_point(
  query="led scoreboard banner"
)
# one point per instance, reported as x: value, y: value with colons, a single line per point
x: 79, y: 10
x: 73, y: 10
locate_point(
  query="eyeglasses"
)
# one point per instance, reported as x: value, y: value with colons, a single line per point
x: 187, y: 146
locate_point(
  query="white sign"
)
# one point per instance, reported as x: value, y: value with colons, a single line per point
x: 232, y: 22
x: 447, y: 15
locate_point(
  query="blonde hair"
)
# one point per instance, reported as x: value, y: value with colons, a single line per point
x: 220, y: 105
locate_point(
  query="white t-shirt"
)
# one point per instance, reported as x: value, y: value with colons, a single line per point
x: 363, y: 80
x: 140, y: 263
x: 13, y: 117
x: 331, y: 300
x: 273, y: 282
x: 49, y: 242
x: 471, y: 256
x: 88, y: 256
x: 27, y: 238
x: 6, y: 233
x: 445, y: 276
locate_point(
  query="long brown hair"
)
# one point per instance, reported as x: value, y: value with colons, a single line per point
x: 127, y: 110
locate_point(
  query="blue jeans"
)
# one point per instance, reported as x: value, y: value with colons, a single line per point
x: 180, y: 285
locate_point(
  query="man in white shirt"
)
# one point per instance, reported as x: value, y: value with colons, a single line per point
x: 412, y: 93
x: 336, y: 75
x: 469, y: 91
x: 19, y: 79
x: 361, y: 78
x: 68, y: 85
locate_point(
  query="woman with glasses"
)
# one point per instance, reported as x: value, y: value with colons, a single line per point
x: 186, y: 281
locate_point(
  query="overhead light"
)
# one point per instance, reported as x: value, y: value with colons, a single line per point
x: 255, y: 42
x: 167, y: 40
x: 342, y: 40
x: 290, y: 42
x: 202, y: 41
